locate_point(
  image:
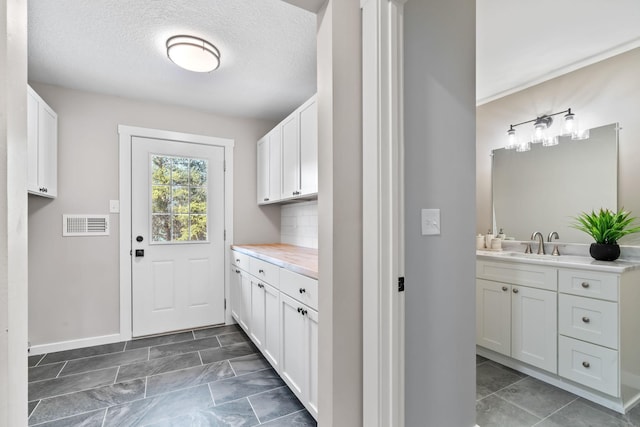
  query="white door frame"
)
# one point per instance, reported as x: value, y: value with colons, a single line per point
x: 126, y: 134
x: 383, y: 212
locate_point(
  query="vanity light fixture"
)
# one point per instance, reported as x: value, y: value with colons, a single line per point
x: 193, y: 53
x: 541, y: 132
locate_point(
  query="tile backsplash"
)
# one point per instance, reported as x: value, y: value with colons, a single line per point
x: 299, y: 224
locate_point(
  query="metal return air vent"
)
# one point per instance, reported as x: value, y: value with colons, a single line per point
x: 85, y: 225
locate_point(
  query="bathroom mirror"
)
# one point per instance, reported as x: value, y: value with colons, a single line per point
x: 543, y: 189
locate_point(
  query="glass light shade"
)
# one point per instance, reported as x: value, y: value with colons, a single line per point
x: 524, y: 146
x: 551, y: 141
x: 512, y: 139
x: 193, y: 53
x: 580, y: 135
x: 569, y: 124
x: 539, y: 132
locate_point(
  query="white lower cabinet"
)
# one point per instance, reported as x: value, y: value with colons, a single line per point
x: 281, y: 318
x: 517, y: 321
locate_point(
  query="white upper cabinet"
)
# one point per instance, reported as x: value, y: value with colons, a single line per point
x: 288, y: 157
x: 42, y: 146
x: 269, y: 167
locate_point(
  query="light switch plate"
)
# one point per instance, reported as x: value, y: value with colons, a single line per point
x: 430, y: 222
x: 114, y: 206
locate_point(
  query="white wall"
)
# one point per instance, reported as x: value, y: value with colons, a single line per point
x: 13, y: 214
x: 74, y: 290
x: 600, y: 94
x: 340, y: 213
x: 440, y: 158
x: 299, y: 224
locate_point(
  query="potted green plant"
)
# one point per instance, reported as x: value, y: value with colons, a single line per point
x: 606, y: 228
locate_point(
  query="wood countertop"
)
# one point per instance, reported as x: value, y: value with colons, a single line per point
x: 298, y: 259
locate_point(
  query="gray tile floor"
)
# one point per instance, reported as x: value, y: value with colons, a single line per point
x: 506, y: 398
x: 208, y: 377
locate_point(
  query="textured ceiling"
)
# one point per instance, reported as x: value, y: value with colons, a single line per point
x: 524, y: 43
x: 268, y: 54
x: 268, y: 48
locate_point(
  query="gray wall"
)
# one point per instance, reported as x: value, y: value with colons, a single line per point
x: 73, y: 283
x: 340, y: 213
x: 600, y: 94
x: 440, y: 173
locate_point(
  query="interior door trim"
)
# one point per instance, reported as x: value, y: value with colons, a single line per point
x: 126, y: 134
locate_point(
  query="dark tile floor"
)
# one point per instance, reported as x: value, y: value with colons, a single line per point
x: 507, y: 398
x: 208, y: 377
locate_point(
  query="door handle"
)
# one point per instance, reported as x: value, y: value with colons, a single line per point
x: 139, y: 252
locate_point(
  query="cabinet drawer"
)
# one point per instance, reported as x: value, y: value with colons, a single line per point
x: 589, y: 284
x: 299, y: 287
x: 589, y: 364
x: 535, y: 276
x: 589, y: 319
x: 263, y: 270
x: 240, y: 260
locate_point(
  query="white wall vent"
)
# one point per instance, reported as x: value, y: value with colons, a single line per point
x: 85, y: 225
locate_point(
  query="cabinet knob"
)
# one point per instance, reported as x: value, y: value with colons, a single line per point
x: 586, y: 364
x: 585, y: 285
x: 304, y: 312
x: 261, y: 271
x: 585, y: 319
x: 237, y: 271
x: 302, y: 290
x: 299, y: 309
x: 515, y: 290
x: 260, y: 285
x: 504, y: 288
x: 237, y: 259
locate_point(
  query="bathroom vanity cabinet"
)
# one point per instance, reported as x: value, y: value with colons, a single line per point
x: 573, y: 323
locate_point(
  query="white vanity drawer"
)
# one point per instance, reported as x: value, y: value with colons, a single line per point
x: 589, y: 364
x: 240, y: 260
x: 299, y: 287
x: 591, y: 284
x: 588, y: 319
x: 535, y: 276
x: 266, y: 271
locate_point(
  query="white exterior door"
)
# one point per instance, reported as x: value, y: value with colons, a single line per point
x: 177, y: 231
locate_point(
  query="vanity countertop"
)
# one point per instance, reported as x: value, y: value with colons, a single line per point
x: 568, y: 261
x: 298, y: 259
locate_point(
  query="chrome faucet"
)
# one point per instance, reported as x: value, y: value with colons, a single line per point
x: 538, y: 235
x: 553, y: 234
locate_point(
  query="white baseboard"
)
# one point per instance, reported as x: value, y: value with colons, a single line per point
x: 73, y: 344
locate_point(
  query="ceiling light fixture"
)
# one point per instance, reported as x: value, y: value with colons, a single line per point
x: 541, y: 132
x: 193, y: 53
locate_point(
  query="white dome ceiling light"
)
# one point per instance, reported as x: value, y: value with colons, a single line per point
x: 193, y: 53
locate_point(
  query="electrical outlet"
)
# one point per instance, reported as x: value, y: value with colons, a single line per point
x: 430, y: 222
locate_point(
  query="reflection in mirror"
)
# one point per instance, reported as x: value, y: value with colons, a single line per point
x: 543, y: 189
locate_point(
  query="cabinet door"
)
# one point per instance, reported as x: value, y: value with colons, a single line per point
x: 292, y: 346
x: 32, y: 142
x: 311, y: 400
x: 47, y: 150
x: 263, y: 170
x: 236, y: 293
x: 245, y: 297
x: 493, y: 316
x: 309, y: 147
x: 257, y: 313
x: 271, y: 349
x: 275, y: 164
x: 290, y: 157
x: 534, y: 327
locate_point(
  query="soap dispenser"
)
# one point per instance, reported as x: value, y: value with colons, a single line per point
x: 501, y: 235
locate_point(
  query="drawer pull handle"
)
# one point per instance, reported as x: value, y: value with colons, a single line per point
x: 261, y: 271
x: 585, y: 285
x: 302, y: 290
x: 585, y: 319
x: 586, y: 364
x: 515, y: 290
x: 504, y: 288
